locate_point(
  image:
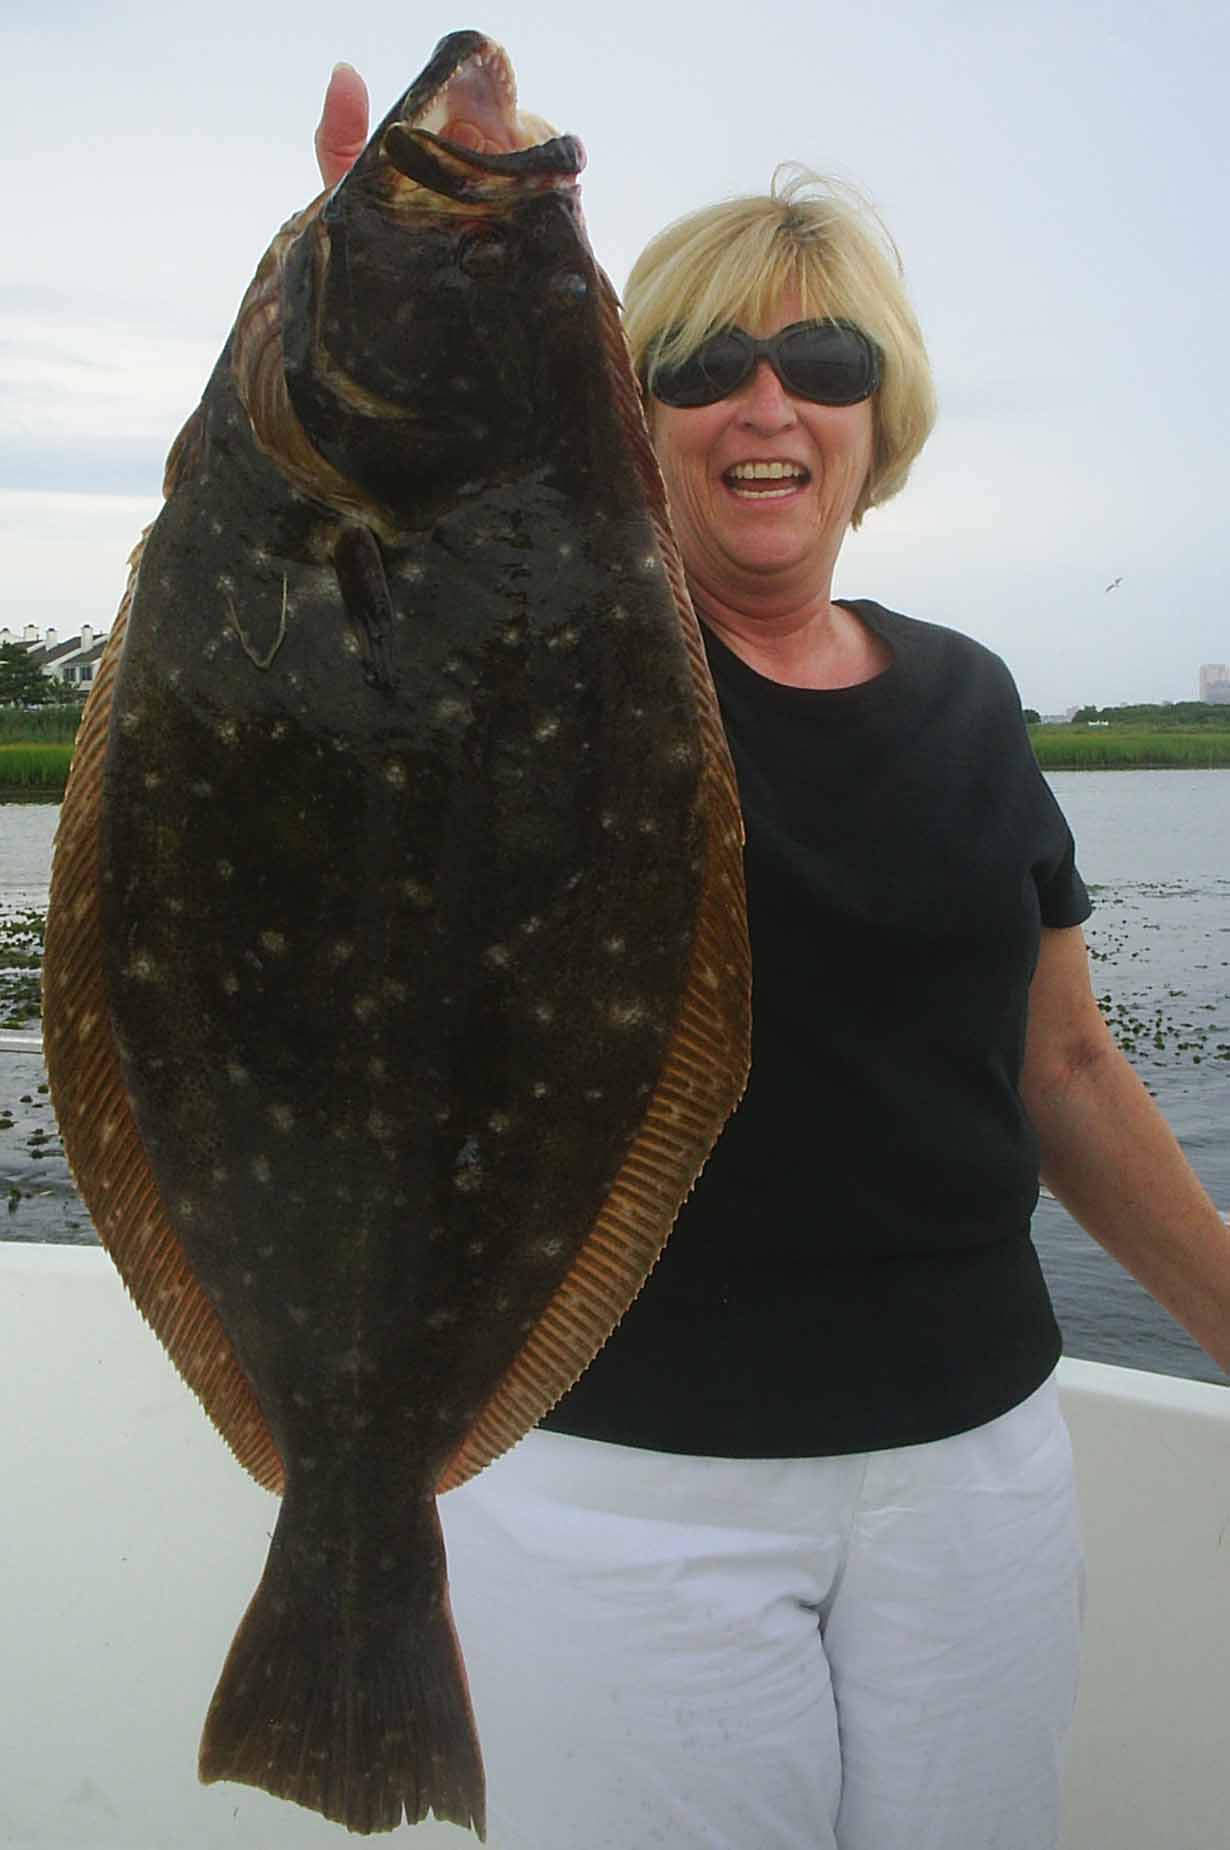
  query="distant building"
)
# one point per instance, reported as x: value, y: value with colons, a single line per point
x: 1215, y: 683
x: 74, y: 662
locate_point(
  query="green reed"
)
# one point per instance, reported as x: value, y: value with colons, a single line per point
x: 36, y: 770
x: 1079, y: 748
x: 39, y: 725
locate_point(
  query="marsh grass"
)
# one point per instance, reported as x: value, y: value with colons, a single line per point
x: 1079, y: 748
x: 39, y: 725
x: 34, y: 770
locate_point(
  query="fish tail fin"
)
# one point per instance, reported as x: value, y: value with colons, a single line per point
x: 352, y: 1710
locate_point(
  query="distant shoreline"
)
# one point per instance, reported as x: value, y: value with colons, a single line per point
x: 1112, y: 748
x: 36, y: 771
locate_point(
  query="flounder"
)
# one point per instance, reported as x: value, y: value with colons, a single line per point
x: 397, y: 981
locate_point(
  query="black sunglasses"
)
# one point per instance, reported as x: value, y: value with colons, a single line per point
x: 828, y: 362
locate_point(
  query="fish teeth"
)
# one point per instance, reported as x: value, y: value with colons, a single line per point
x: 765, y: 471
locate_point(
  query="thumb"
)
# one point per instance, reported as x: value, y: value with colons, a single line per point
x: 342, y: 130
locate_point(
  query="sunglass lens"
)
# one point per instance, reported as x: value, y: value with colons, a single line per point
x: 828, y: 363
x: 712, y: 372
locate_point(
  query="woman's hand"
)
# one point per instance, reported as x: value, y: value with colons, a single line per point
x: 341, y: 134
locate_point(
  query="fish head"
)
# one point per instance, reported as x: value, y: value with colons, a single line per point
x: 441, y: 313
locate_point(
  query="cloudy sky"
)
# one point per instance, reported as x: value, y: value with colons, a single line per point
x: 1055, y: 175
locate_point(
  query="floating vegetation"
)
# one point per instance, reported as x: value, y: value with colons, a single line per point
x: 21, y: 959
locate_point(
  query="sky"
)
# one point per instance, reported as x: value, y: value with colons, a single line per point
x: 1055, y: 176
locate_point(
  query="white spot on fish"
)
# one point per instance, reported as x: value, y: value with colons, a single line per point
x: 225, y: 869
x: 565, y: 551
x: 440, y: 1319
x: 540, y: 1088
x: 227, y: 731
x: 647, y: 825
x: 350, y: 642
x: 593, y: 1094
x: 499, y: 1122
x: 262, y: 1169
x: 614, y: 947
x: 282, y: 1118
x: 341, y: 951
x: 201, y: 789
x: 544, y: 1012
x: 418, y: 894
x: 395, y: 774
x: 468, y: 1174
x: 566, y: 638
x: 546, y: 728
x: 650, y: 562
x: 142, y: 967
x: 381, y: 1126
x: 531, y: 925
x: 152, y: 779
x: 274, y: 942
x: 364, y: 1008
x: 218, y: 1175
x: 297, y: 1314
x: 185, y: 1209
x: 626, y: 1014
x: 237, y: 1074
x: 451, y: 711
x: 496, y: 955
x: 230, y: 984
x: 475, y: 1247
x: 410, y: 572
x: 129, y: 722
x: 377, y: 1069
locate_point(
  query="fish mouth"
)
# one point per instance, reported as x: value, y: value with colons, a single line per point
x: 458, y: 132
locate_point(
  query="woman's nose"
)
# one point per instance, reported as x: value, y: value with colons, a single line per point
x: 764, y: 401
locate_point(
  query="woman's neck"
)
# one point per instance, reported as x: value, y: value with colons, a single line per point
x: 815, y: 643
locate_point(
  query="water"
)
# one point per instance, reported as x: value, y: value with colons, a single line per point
x: 1155, y: 849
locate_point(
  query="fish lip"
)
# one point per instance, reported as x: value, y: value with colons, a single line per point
x: 411, y: 141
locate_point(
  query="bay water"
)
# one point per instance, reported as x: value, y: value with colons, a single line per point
x: 1154, y: 847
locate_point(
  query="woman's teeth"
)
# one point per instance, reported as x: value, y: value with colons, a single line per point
x: 746, y: 478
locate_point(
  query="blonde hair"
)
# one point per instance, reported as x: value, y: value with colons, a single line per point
x: 733, y: 262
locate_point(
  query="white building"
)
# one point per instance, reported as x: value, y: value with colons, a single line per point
x: 74, y: 662
x: 1215, y: 683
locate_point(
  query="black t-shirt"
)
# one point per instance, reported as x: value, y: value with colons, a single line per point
x: 853, y: 1270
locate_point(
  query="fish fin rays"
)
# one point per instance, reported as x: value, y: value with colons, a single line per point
x: 91, y: 1103
x: 359, y: 1716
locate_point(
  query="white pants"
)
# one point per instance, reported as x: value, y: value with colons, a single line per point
x: 869, y: 1653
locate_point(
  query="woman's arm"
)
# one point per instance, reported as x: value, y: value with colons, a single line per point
x: 1109, y: 1155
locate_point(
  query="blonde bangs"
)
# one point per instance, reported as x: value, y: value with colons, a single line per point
x: 733, y: 263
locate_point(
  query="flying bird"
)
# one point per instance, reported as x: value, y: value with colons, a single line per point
x: 1113, y: 583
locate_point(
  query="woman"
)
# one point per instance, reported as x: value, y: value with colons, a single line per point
x: 797, y: 1562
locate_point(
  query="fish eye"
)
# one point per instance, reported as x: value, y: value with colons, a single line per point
x: 569, y: 287
x: 482, y: 253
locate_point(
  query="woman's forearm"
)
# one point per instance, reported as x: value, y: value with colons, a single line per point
x: 1112, y: 1160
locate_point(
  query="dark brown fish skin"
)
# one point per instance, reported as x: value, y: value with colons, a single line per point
x: 410, y: 815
